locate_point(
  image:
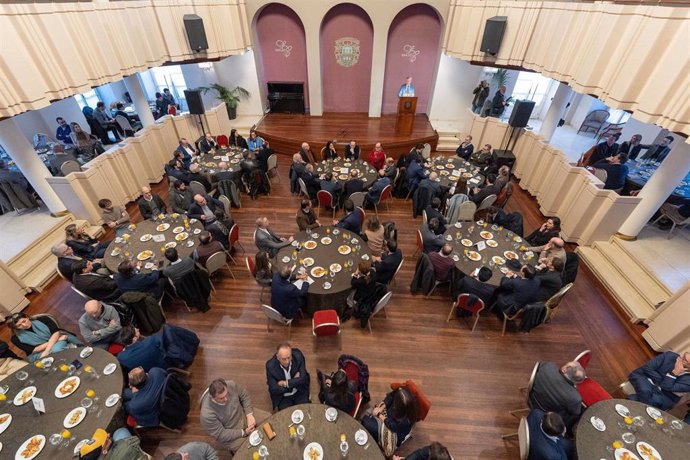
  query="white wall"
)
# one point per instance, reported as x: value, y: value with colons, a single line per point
x: 67, y: 109
x: 585, y: 105
x: 451, y: 102
x: 649, y: 131
x: 147, y: 82
x: 195, y: 77
x: 30, y: 123
x: 241, y: 71
x: 112, y: 92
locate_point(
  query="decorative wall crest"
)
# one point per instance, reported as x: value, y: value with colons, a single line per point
x: 347, y: 51
x: 410, y: 52
x: 283, y: 48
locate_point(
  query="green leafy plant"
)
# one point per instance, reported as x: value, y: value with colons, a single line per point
x: 231, y: 96
x: 501, y: 77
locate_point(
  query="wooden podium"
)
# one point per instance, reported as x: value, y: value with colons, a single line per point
x: 407, y: 107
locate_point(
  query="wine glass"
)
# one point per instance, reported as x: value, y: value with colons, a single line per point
x: 21, y: 376
x: 628, y: 437
x: 55, y: 439
x: 301, y: 432
x: 344, y: 447
x: 86, y: 403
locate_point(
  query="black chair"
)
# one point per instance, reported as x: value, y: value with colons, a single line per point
x: 572, y: 261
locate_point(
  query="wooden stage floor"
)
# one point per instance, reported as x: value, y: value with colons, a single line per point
x: 286, y: 132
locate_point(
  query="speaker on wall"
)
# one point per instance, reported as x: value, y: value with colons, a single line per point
x: 493, y: 34
x: 519, y: 117
x: 194, y: 101
x: 196, y: 34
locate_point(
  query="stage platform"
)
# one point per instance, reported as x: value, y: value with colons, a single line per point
x: 286, y: 132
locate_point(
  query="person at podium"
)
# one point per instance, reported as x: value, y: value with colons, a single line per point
x: 407, y: 90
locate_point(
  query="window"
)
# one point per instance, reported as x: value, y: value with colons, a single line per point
x: 531, y: 86
x: 171, y: 77
x: 617, y: 116
x: 90, y: 98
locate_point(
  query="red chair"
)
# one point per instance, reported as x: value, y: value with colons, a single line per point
x: 386, y: 193
x: 358, y: 403
x: 234, y: 237
x: 362, y: 214
x: 583, y: 358
x: 222, y: 140
x: 115, y: 348
x: 352, y: 372
x: 325, y: 199
x: 591, y: 392
x: 325, y: 323
x: 463, y: 303
x: 420, y: 244
x: 172, y: 110
x: 422, y: 401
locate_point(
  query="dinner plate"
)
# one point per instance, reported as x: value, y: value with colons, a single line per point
x: 458, y: 225
x: 466, y: 242
x: 625, y: 454
x: 24, y: 452
x: 67, y: 387
x: 365, y: 256
x: 331, y: 414
x: 361, y: 437
x: 297, y: 416
x: 149, y: 265
x: 343, y: 177
x: 182, y: 236
x: 24, y: 396
x: 347, y: 165
x: 79, y: 445
x: 47, y: 361
x: 498, y: 260
x: 143, y: 255
x: 318, y: 272
x: 5, y: 420
x: 444, y: 173
x: 74, y: 417
x: 653, y: 412
x: 86, y: 352
x: 109, y: 369
x: 504, y: 270
x: 255, y: 438
x: 313, y: 451
x: 118, y: 240
x: 327, y: 285
x: 146, y: 237
x: 234, y: 161
x: 440, y: 167
x: 162, y: 227
x: 486, y: 235
x: 197, y: 231
x: 492, y: 243
x: 170, y: 244
x: 647, y: 451
x: 467, y: 175
x: 335, y: 268
x: 116, y: 252
x: 510, y: 255
x: 474, y: 255
x: 326, y: 240
x: 190, y: 243
x: 598, y: 423
x: 308, y: 262
x: 193, y: 221
x: 285, y: 259
x: 622, y: 410
x: 311, y: 244
x: 344, y: 249
x: 112, y: 400
x: 177, y: 230
x: 295, y: 243
x: 449, y: 238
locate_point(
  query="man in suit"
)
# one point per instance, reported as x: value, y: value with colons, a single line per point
x: 658, y: 152
x: 224, y: 173
x: 466, y: 148
x: 207, y: 247
x: 442, y: 262
x: 149, y: 204
x: 211, y: 212
x: 106, y: 121
x: 207, y: 143
x: 287, y: 377
x: 601, y: 151
x: 554, y: 389
x: 187, y: 150
x: 177, y: 268
x: 499, y: 103
x: 175, y: 168
x: 352, y: 151
x: 351, y: 221
x: 353, y: 185
x: 145, y: 352
x: 195, y: 175
x: 94, y: 285
x: 616, y: 171
x: 132, y: 119
x: 517, y: 290
x: 66, y: 259
x: 390, y: 169
x: 128, y: 279
x: 266, y: 240
x: 550, y: 280
x: 331, y: 186
x: 286, y: 297
x: 306, y: 154
x: 142, y: 398
x: 432, y: 211
x: 554, y: 249
x: 477, y: 286
x: 431, y: 182
x: 100, y: 324
x: 181, y: 198
x: 415, y: 173
x: 388, y: 263
x: 483, y: 157
x: 311, y: 181
x: 374, y: 192
x: 432, y: 241
x: 662, y: 380
x: 407, y: 89
x: 546, y: 436
x: 478, y: 194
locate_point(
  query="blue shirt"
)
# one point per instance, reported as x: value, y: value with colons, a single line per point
x: 255, y: 144
x: 62, y: 134
x: 406, y: 91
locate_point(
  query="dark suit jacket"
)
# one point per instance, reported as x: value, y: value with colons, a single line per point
x: 470, y: 285
x: 144, y: 405
x: 187, y: 157
x: 465, y: 152
x: 286, y: 297
x: 353, y: 185
x: 96, y: 286
x: 65, y: 266
x: 145, y: 207
x: 269, y: 241
x: 431, y: 213
x: 542, y: 447
x: 332, y: 187
x: 177, y: 271
x: 349, y: 154
x: 201, y: 179
x: 518, y: 292
x: 431, y: 185
x: 551, y: 282
x: 551, y: 391
x: 387, y: 267
x: 262, y: 158
x: 483, y: 193
x: 351, y: 222
x: 415, y: 173
x: 275, y: 373
x: 615, y: 174
x: 147, y: 352
x: 215, y: 205
x: 206, y: 146
x: 140, y: 282
x: 375, y: 191
x: 659, y: 370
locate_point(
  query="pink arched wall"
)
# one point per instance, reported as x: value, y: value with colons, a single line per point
x: 282, y: 45
x: 413, y: 49
x: 346, y: 89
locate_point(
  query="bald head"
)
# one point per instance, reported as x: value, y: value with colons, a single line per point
x: 297, y: 158
x: 200, y: 200
x: 433, y: 175
x: 305, y: 146
x: 557, y: 242
x: 223, y: 165
x: 93, y: 308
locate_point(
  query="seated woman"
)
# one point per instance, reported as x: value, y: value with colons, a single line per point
x: 83, y: 245
x: 329, y: 152
x: 38, y: 337
x: 254, y: 143
x: 262, y: 269
x: 365, y: 292
x: 236, y: 140
x: 337, y: 391
x: 392, y: 419
x: 503, y: 176
x: 88, y: 146
x: 373, y: 231
x: 549, y: 229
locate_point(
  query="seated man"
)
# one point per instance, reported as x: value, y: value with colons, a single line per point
x: 388, y: 263
x: 287, y: 377
x: 149, y: 204
x: 100, y: 324
x: 181, y: 197
x: 517, y: 290
x: 93, y: 284
x: 133, y: 122
x: 466, y: 148
x: 306, y: 219
x: 331, y: 186
x: 415, y: 173
x: 374, y: 193
x: 483, y: 157
x: 490, y: 188
x: 207, y: 247
x: 66, y: 259
x: 662, y: 380
x: 351, y: 221
x: 227, y: 414
x: 554, y: 390
x: 432, y: 241
x: 194, y: 451
x: 352, y: 151
x: 196, y: 175
x: 211, y: 212
x: 128, y: 279
x: 144, y: 352
x: 390, y: 169
x: 353, y: 185
x: 431, y: 183
x: 287, y: 298
x: 442, y: 262
x: 601, y: 151
x: 377, y: 157
x: 554, y: 249
x: 208, y: 143
x: 547, y: 436
x: 142, y: 398
x: 433, y: 211
x: 266, y: 240
x: 187, y: 150
x: 178, y: 268
x: 311, y: 181
x: 63, y: 131
x: 306, y: 153
x: 616, y: 171
x: 477, y: 286
x: 550, y: 281
x: 106, y: 122
x: 657, y: 152
x: 175, y: 168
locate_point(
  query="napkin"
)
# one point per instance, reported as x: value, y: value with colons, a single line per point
x: 158, y: 238
x: 299, y: 283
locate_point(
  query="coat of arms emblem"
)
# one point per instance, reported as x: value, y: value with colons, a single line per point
x: 347, y: 51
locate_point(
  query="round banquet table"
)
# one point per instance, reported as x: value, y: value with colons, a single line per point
x: 506, y: 241
x: 317, y: 429
x: 135, y: 246
x: 640, y: 173
x: 209, y: 162
x: 450, y: 168
x: 671, y: 443
x: 324, y: 256
x: 26, y: 422
x: 341, y: 170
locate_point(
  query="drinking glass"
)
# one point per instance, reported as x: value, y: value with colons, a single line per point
x: 86, y: 403
x: 628, y: 437
x: 55, y: 439
x: 263, y: 452
x: 344, y: 447
x: 22, y: 375
x: 638, y: 421
x: 300, y: 432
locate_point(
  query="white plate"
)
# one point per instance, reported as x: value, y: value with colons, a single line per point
x: 365, y: 257
x: 109, y: 369
x: 458, y: 225
x: 86, y: 352
x: 149, y: 265
x: 177, y: 230
x: 326, y: 240
x: 285, y: 259
x: 619, y: 454
x: 456, y: 258
x: 145, y: 238
x: 41, y: 443
x: 297, y: 416
x: 6, y: 423
x: 327, y: 285
x: 79, y: 445
x: 655, y: 452
x: 170, y: 244
x: 449, y: 238
x: 622, y: 410
x: 76, y: 381
x: 653, y: 412
x: 598, y: 423
x: 112, y: 400
x: 331, y: 414
x: 162, y: 227
x: 315, y: 446
x: 47, y: 361
x: 197, y: 231
x: 18, y: 400
x: 255, y: 438
x: 361, y: 437
x: 81, y: 414
x: 193, y: 221
x: 295, y: 243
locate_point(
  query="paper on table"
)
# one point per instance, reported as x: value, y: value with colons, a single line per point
x: 299, y: 283
x: 481, y: 246
x: 473, y: 181
x: 39, y: 405
x: 455, y: 172
x: 224, y: 158
x: 158, y: 238
x: 344, y: 170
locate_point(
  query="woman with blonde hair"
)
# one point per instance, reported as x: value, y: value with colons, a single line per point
x: 87, y: 144
x: 503, y: 177
x: 374, y: 234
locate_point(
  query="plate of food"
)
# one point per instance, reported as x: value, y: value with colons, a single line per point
x: 337, y: 168
x: 162, y: 227
x: 361, y: 437
x: 31, y: 447
x: 311, y: 244
x: 234, y: 161
x: 196, y: 231
x: 598, y: 423
x: 440, y: 167
x: 326, y: 240
x: 486, y: 235
x: 67, y: 387
x: 5, y: 420
x: 335, y: 268
x: 297, y: 416
x: 143, y: 255
x: 331, y: 414
x: 625, y: 454
x: 169, y: 245
x: 467, y: 243
x: 182, y: 236
x: 85, y: 352
x: 510, y: 255
x: 467, y: 175
x: 653, y: 412
x: 116, y: 252
x: 449, y: 238
x: 347, y: 165
x: 285, y: 259
x: 255, y: 438
x: 622, y: 410
x: 498, y: 260
x: 112, y: 400
x: 492, y: 243
x: 344, y: 249
x: 146, y: 237
x: 444, y: 173
x: 318, y: 272
x: 474, y: 255
x: 313, y: 451
x: 74, y: 417
x: 177, y: 230
x: 109, y: 369
x: 308, y: 262
x: 24, y: 396
x: 647, y: 451
x: 343, y: 177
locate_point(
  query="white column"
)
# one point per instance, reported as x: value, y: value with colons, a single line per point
x: 655, y: 192
x: 378, y: 70
x: 28, y: 162
x: 141, y: 104
x: 312, y: 39
x: 555, y: 112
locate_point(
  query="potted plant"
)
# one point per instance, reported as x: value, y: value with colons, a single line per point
x: 231, y: 96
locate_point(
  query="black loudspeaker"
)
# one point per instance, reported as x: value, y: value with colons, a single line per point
x: 196, y: 34
x: 194, y: 101
x: 493, y: 34
x: 519, y: 117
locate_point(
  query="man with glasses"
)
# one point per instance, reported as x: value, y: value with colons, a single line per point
x: 100, y: 324
x: 661, y: 381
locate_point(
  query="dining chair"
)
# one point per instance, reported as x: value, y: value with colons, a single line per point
x: 234, y: 237
x: 197, y: 188
x: 554, y: 302
x: 303, y: 188
x: 380, y: 305
x: 526, y: 390
x: 362, y: 215
x: 216, y: 262
x: 466, y: 211
x: 227, y: 207
x: 463, y: 303
x: 325, y: 199
x: 592, y: 392
x: 385, y: 196
x: 274, y: 315
x: 514, y: 317
x: 583, y: 358
x: 125, y: 125
x: 272, y: 163
x: 325, y: 323
x: 485, y: 204
x: 601, y: 174
x: 251, y: 268
x: 358, y: 199
x: 420, y: 244
x: 392, y: 281
x: 222, y: 140
x: 69, y: 166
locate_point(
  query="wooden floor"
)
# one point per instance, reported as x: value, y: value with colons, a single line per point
x: 472, y: 379
x: 286, y: 132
